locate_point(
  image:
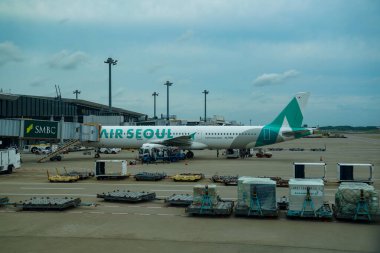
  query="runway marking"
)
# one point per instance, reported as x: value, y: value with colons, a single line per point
x: 76, y: 212
x: 171, y: 190
x: 37, y: 188
x: 111, y: 206
x: 120, y: 213
x: 48, y: 194
x: 97, y: 212
x: 128, y: 184
x: 135, y: 206
x: 143, y: 214
x: 166, y: 214
x: 153, y: 207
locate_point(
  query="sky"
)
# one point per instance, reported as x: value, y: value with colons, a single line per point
x: 252, y: 56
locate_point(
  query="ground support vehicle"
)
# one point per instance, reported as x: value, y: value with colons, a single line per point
x: 283, y: 203
x: 81, y: 174
x: 323, y: 213
x: 217, y: 179
x: 207, y: 202
x: 188, y: 177
x: 127, y: 196
x: 9, y: 160
x: 227, y: 180
x: 4, y: 201
x: 102, y: 172
x: 109, y: 150
x: 61, y: 178
x: 147, y: 176
x: 231, y: 181
x: 282, y: 182
x: 179, y: 200
x: 150, y: 153
x: 279, y: 181
x: 223, y: 208
x: 263, y: 154
x: 48, y: 203
x: 308, y: 210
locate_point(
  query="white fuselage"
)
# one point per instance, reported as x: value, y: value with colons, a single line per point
x: 202, y: 137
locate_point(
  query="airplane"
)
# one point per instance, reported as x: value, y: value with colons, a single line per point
x: 286, y: 126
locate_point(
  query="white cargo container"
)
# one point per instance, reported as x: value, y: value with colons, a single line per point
x: 265, y: 189
x: 9, y: 160
x: 240, y: 186
x: 298, y: 190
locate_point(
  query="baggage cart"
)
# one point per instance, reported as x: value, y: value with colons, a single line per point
x: 127, y: 196
x: 49, y: 203
x: 179, y: 200
x: 147, y: 176
x: 188, y: 177
x: 210, y: 205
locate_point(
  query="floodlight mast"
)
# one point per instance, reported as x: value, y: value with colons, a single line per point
x: 76, y: 92
x: 155, y: 94
x: 168, y: 84
x: 110, y: 62
x: 205, y: 92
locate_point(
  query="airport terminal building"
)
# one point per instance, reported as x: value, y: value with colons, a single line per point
x: 68, y: 116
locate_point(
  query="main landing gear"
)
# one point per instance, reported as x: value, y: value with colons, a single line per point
x: 189, y: 155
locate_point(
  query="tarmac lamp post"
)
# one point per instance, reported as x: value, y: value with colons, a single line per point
x: 155, y: 94
x: 110, y: 62
x: 168, y: 84
x: 205, y: 92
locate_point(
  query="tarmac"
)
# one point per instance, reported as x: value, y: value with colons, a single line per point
x: 155, y: 227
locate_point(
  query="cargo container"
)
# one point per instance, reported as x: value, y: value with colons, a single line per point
x: 306, y: 199
x: 258, y: 198
x: 356, y: 201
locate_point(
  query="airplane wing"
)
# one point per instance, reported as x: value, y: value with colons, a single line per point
x: 296, y: 132
x: 180, y: 141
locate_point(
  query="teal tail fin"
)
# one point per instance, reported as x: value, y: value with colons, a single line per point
x: 292, y: 115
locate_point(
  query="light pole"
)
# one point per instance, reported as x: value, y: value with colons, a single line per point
x: 76, y: 92
x: 155, y: 94
x: 110, y: 62
x: 205, y: 92
x: 168, y: 84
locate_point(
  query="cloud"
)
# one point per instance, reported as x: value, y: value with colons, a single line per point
x: 9, y: 53
x: 67, y: 61
x: 274, y: 78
